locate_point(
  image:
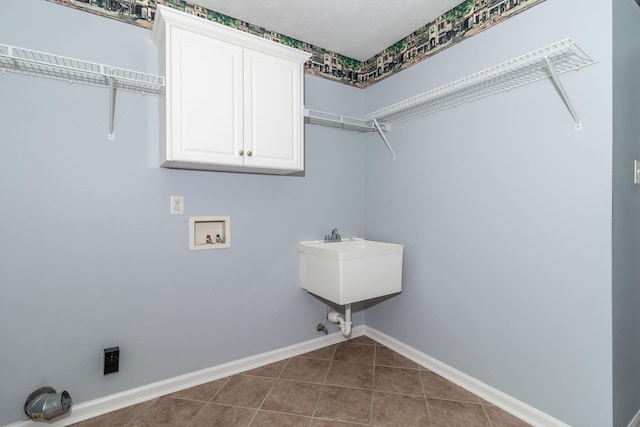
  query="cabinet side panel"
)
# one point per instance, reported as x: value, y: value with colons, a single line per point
x: 206, y: 104
x: 163, y: 58
x: 273, y: 111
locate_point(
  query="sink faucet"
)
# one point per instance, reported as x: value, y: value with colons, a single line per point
x: 334, y: 237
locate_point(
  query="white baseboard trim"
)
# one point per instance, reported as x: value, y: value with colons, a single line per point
x: 635, y: 422
x: 94, y: 408
x: 515, y: 407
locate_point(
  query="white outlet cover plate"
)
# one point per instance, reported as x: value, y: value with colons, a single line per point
x: 177, y: 205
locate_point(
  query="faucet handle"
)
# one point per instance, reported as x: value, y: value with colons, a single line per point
x: 333, y: 237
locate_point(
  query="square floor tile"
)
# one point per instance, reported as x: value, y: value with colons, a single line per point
x: 350, y: 375
x: 244, y: 390
x: 500, y: 418
x: 303, y: 369
x: 272, y: 370
x: 439, y: 387
x: 452, y: 413
x: 355, y: 353
x: 116, y: 418
x: 322, y: 353
x: 273, y: 419
x: 292, y: 397
x: 204, y: 392
x: 167, y: 411
x: 332, y: 423
x: 388, y: 357
x: 344, y: 404
x: 397, y: 380
x: 213, y: 415
x: 398, y: 410
x: 362, y: 339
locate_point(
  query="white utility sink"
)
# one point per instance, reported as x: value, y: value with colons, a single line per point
x: 351, y: 270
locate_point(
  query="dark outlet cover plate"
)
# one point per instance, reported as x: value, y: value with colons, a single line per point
x: 111, y: 360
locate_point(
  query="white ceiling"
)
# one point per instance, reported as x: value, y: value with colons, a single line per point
x: 358, y: 29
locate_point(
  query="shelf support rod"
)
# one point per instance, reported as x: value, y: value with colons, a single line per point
x: 563, y: 94
x: 112, y: 106
x: 384, y: 138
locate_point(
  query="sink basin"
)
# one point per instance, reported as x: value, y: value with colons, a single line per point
x: 350, y: 271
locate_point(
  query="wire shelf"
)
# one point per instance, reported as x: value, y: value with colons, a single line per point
x: 26, y: 61
x: 563, y: 56
x: 338, y: 121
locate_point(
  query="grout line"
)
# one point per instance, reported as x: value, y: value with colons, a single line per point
x: 324, y: 384
x: 220, y: 389
x: 196, y: 415
x: 373, y: 382
x: 315, y: 407
x: 397, y: 367
x: 426, y: 401
x: 152, y: 402
x: 355, y: 423
x: 487, y: 415
x: 275, y: 380
x: 231, y: 406
x: 277, y: 412
x: 283, y: 369
x: 457, y: 400
x: 326, y: 374
x: 207, y: 402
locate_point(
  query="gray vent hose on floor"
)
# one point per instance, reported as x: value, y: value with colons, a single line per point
x: 46, y: 404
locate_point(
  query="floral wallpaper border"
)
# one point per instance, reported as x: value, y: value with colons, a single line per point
x: 463, y: 21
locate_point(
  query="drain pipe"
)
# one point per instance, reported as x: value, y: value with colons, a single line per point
x: 344, y: 321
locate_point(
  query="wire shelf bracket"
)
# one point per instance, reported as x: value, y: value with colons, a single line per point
x: 384, y: 138
x: 34, y: 63
x: 337, y: 121
x: 563, y: 94
x: 348, y: 123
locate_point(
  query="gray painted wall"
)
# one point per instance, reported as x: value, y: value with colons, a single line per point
x: 505, y: 213
x: 91, y: 258
x: 626, y: 212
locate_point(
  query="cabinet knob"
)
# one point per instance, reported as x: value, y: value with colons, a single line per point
x: 241, y: 153
x: 249, y: 153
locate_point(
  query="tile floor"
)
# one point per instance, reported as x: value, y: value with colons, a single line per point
x: 355, y: 383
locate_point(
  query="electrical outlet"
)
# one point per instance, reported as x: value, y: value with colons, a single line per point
x: 177, y: 205
x: 636, y: 171
x: 111, y: 360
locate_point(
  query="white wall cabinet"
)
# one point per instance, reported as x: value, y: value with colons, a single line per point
x: 234, y: 101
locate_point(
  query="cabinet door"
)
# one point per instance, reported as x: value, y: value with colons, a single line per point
x: 205, y: 87
x: 273, y: 112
